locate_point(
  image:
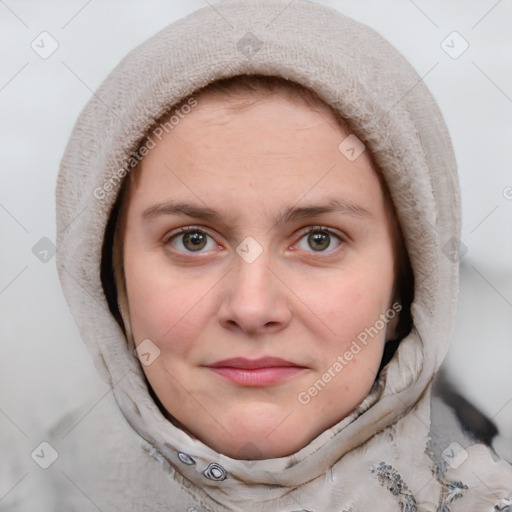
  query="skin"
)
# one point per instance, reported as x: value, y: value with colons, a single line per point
x: 300, y: 301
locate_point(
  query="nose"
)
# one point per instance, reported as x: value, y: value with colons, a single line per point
x: 254, y: 299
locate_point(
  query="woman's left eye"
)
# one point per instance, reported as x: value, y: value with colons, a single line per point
x: 192, y: 240
x: 320, y: 240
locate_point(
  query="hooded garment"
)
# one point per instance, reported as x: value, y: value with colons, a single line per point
x: 398, y: 451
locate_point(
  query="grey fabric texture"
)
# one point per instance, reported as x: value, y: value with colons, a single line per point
x: 377, y: 457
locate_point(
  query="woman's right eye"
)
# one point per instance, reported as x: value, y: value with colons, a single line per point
x: 191, y: 240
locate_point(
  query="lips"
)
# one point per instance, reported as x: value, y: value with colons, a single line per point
x: 256, y: 372
x: 252, y: 364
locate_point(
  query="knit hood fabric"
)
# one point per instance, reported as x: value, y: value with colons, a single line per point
x: 381, y: 456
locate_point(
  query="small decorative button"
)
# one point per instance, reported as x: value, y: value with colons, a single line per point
x: 186, y: 458
x: 215, y: 472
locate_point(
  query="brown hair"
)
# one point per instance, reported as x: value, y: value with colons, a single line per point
x: 246, y: 90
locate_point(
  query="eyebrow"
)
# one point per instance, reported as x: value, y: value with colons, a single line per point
x: 290, y: 214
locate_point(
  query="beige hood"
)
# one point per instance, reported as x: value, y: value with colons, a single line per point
x: 377, y: 460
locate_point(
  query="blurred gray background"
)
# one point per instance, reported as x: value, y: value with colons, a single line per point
x: 45, y: 369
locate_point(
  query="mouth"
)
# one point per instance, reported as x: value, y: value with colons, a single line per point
x: 256, y: 372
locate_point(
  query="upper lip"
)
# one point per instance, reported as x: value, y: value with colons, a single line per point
x: 251, y: 364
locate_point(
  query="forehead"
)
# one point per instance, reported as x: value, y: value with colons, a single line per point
x: 284, y: 114
x: 273, y: 147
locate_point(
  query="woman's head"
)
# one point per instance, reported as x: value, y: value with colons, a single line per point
x: 292, y: 250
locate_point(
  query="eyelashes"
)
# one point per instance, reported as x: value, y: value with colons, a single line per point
x: 192, y: 240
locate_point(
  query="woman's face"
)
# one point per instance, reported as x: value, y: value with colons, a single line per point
x: 266, y: 318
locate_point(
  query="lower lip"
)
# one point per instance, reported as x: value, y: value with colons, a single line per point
x: 257, y: 376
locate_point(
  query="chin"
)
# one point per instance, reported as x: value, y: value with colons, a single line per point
x: 255, y: 440
x: 248, y: 448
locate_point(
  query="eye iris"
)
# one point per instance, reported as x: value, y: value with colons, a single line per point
x: 318, y: 240
x: 196, y: 239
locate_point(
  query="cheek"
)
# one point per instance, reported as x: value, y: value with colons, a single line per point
x: 350, y: 302
x: 353, y: 299
x: 164, y: 306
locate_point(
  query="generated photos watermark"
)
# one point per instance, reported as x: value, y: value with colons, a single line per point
x: 150, y: 142
x: 362, y: 339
